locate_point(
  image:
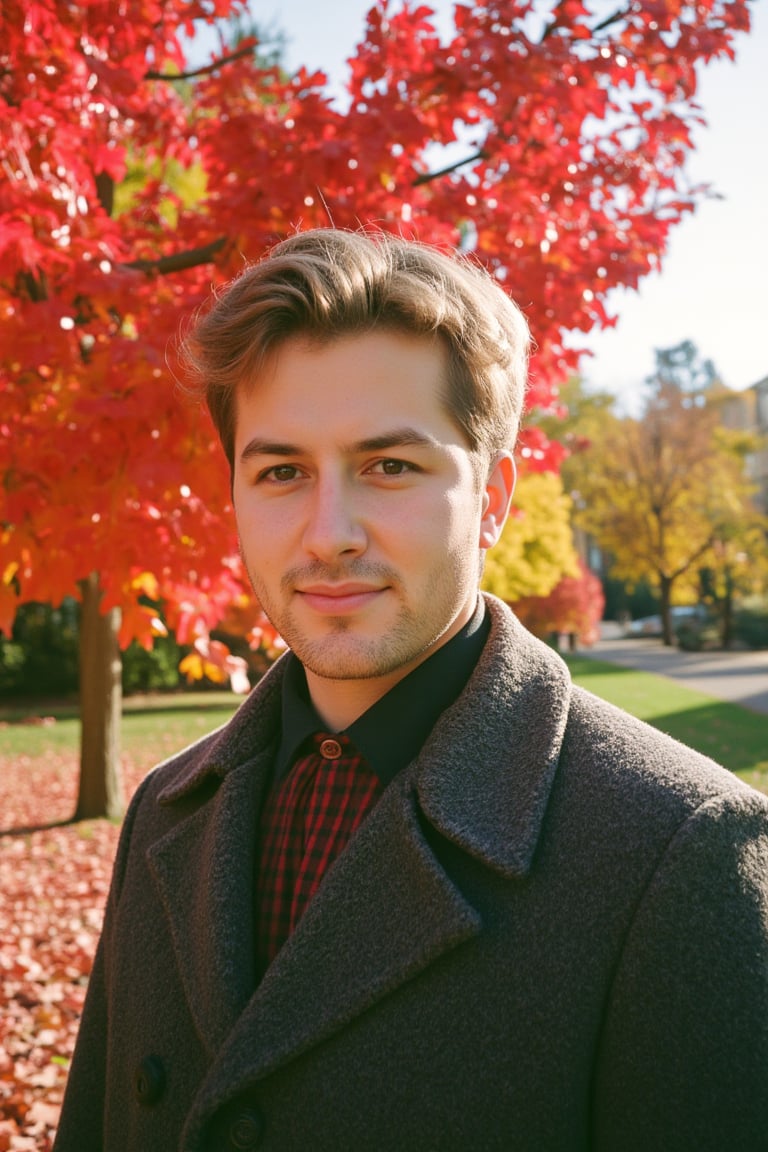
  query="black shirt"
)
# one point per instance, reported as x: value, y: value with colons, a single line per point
x: 392, y: 731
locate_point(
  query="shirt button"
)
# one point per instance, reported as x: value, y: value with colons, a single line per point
x: 330, y: 749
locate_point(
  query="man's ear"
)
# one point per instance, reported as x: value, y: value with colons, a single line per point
x: 497, y: 497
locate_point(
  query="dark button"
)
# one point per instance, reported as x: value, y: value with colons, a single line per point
x: 246, y: 1129
x: 149, y: 1080
x: 330, y: 749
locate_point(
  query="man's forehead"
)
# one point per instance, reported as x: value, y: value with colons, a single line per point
x: 311, y: 344
x: 370, y: 363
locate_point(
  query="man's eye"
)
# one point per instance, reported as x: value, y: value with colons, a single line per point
x: 392, y: 467
x: 281, y: 473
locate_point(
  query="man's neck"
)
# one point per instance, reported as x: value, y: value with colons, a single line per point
x: 338, y: 703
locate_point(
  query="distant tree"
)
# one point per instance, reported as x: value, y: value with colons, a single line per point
x: 683, y: 367
x: 576, y: 418
x: 574, y: 413
x: 737, y: 563
x: 663, y: 492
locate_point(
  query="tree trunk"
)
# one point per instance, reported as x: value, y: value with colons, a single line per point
x: 100, y: 791
x: 665, y: 589
x: 726, y: 630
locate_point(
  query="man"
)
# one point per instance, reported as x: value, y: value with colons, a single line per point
x: 421, y: 893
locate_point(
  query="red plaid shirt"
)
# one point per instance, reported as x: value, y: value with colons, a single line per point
x: 307, y: 820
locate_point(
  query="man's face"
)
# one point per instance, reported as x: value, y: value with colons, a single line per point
x: 360, y: 515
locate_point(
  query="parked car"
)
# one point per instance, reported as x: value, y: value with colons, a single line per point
x: 680, y: 614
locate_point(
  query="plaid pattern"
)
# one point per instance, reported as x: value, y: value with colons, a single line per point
x: 307, y: 820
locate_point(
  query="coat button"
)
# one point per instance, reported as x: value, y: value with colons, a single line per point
x: 149, y: 1080
x: 246, y: 1130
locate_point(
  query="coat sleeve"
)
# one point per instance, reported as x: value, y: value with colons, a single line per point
x: 683, y: 1061
x: 81, y: 1122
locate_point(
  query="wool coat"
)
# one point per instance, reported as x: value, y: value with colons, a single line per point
x: 550, y: 935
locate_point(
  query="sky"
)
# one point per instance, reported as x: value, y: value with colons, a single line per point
x: 713, y: 284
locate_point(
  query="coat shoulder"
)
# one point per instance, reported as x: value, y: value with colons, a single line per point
x: 617, y: 751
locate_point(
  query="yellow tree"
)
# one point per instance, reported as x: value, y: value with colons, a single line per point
x: 536, y: 548
x: 662, y: 493
x: 737, y: 565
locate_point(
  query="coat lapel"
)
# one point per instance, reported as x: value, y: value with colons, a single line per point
x: 204, y: 867
x: 203, y: 870
x: 509, y: 724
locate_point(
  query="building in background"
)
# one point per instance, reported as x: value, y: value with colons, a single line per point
x: 747, y: 410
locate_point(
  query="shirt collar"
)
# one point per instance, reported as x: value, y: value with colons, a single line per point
x: 392, y: 731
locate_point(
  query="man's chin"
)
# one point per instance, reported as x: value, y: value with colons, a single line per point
x: 341, y: 657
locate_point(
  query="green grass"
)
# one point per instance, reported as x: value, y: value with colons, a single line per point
x: 163, y: 723
x: 730, y: 734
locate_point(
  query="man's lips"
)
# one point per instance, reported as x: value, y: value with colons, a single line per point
x: 333, y: 599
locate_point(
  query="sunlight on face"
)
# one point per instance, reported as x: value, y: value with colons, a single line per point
x: 360, y: 517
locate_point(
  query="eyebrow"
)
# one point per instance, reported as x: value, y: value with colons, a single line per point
x: 258, y: 447
x: 396, y: 438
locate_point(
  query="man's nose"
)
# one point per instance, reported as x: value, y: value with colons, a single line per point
x: 333, y: 525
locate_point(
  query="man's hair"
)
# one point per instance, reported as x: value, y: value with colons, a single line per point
x: 327, y: 283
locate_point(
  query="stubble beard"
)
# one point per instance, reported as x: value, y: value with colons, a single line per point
x: 341, y: 655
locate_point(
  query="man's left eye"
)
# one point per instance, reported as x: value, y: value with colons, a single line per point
x: 392, y: 467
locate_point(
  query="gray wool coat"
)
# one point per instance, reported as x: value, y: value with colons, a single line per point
x: 550, y: 935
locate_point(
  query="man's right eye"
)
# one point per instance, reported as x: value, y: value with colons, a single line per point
x: 280, y: 473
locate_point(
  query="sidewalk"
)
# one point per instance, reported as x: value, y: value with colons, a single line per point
x: 740, y: 677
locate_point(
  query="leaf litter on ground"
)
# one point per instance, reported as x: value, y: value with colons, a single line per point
x: 54, y: 882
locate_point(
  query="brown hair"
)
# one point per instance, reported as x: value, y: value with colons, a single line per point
x: 327, y: 283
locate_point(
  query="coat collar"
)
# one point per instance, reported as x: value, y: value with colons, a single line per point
x: 252, y: 731
x: 483, y: 776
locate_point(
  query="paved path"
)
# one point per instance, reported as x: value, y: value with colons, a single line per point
x: 741, y: 677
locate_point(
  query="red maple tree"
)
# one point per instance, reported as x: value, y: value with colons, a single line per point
x: 551, y: 140
x: 574, y: 607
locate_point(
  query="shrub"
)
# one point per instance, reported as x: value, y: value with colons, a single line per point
x: 41, y: 658
x: 153, y: 671
x: 751, y: 628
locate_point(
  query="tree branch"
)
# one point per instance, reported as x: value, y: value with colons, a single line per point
x: 681, y: 569
x: 619, y: 14
x: 34, y: 285
x: 207, y: 68
x: 105, y: 190
x: 428, y: 177
x: 180, y: 261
